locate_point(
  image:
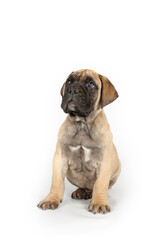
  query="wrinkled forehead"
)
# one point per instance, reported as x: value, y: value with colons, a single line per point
x: 83, y: 74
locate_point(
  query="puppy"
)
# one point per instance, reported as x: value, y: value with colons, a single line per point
x: 85, y: 152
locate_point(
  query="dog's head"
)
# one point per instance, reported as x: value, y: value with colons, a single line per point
x: 85, y: 91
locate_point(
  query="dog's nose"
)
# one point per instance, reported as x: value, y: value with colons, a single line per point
x: 73, y: 91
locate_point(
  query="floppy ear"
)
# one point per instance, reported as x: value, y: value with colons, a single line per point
x: 108, y: 91
x: 62, y: 90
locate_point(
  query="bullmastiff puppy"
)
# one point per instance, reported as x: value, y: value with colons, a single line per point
x: 85, y: 152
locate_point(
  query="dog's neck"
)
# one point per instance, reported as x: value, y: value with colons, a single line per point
x: 89, y: 119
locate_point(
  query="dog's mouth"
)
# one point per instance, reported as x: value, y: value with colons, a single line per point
x: 72, y: 109
x: 75, y: 110
x: 71, y: 105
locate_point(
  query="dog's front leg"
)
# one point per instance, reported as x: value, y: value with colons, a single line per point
x: 55, y: 195
x: 99, y: 203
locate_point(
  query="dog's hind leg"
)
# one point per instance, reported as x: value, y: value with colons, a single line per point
x: 82, y: 193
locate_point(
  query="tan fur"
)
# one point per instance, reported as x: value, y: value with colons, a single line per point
x: 85, y: 152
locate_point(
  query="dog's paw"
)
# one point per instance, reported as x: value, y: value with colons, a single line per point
x: 82, y: 194
x: 96, y: 207
x: 48, y: 204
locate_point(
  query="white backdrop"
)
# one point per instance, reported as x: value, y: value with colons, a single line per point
x: 41, y: 42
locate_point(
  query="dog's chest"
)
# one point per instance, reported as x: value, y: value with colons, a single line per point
x: 84, y: 157
x: 83, y: 165
x: 81, y: 148
x: 82, y: 152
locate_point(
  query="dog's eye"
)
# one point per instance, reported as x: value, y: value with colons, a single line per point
x: 91, y: 84
x: 68, y: 81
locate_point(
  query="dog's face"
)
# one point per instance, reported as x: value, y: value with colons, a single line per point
x: 85, y: 91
